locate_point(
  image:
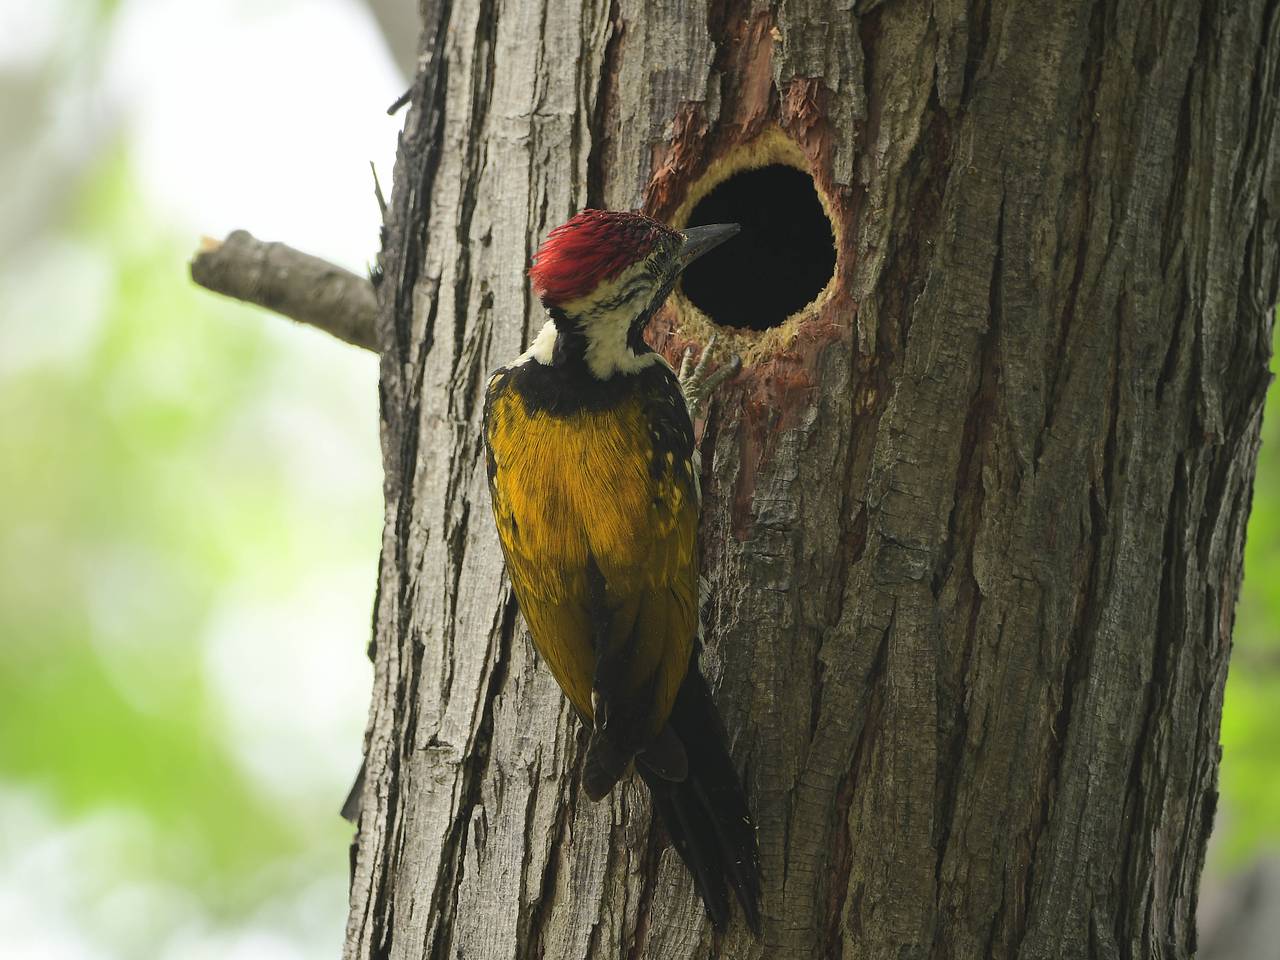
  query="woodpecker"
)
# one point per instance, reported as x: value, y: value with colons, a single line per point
x: 595, y: 489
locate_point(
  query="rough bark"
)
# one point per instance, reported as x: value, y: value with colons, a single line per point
x: 973, y: 524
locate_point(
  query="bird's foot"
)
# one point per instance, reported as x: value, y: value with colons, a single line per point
x: 698, y: 384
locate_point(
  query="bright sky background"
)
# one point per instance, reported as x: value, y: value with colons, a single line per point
x: 263, y: 116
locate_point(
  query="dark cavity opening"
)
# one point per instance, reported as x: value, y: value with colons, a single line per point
x: 780, y: 261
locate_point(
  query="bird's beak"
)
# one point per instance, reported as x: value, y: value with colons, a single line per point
x: 698, y: 240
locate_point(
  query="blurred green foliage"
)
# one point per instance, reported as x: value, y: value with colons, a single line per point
x: 1250, y: 773
x: 112, y: 505
x: 135, y: 488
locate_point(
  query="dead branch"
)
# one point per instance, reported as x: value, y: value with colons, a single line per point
x: 299, y: 286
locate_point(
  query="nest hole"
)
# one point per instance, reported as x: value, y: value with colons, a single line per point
x: 781, y: 260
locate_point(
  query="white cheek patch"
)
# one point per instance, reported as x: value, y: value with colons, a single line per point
x: 542, y: 348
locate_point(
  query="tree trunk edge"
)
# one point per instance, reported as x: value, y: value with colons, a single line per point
x: 1079, y: 365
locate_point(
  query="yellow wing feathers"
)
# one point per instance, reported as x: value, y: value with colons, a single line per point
x: 598, y: 523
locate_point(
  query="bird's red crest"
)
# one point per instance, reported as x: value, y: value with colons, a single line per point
x: 594, y: 246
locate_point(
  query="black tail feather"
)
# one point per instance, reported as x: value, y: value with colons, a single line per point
x: 706, y: 814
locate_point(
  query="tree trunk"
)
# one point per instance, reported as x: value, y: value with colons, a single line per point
x: 973, y: 521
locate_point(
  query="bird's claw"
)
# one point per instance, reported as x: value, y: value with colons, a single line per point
x: 697, y: 383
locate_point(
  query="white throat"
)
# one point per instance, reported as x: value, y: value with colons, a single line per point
x: 607, y: 351
x: 543, y: 346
